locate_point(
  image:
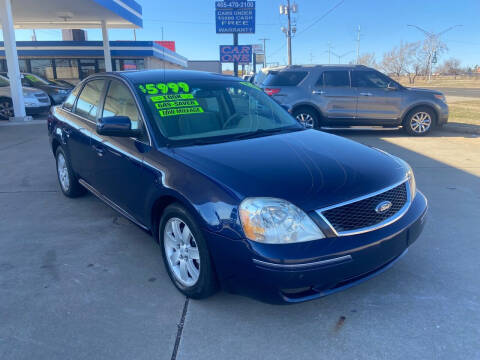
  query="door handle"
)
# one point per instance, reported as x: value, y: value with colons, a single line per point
x: 98, y: 150
x: 318, y: 92
x: 366, y: 94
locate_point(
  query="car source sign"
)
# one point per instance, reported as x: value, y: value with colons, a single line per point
x: 241, y: 54
x: 235, y: 17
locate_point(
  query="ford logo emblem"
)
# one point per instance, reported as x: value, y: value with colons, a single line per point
x: 383, y: 207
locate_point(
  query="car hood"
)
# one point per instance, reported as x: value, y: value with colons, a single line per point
x: 308, y: 168
x: 31, y: 91
x: 422, y: 90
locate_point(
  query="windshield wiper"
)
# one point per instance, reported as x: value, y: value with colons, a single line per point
x: 262, y: 132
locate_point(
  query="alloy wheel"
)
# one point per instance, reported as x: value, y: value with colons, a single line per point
x: 306, y: 120
x: 63, y: 172
x: 181, y: 252
x: 420, y: 122
x: 6, y: 109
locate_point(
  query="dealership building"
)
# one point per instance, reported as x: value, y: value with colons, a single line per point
x: 74, y: 60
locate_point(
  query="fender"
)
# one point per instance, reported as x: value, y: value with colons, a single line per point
x: 430, y: 104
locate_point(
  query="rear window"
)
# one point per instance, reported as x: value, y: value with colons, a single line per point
x: 284, y: 78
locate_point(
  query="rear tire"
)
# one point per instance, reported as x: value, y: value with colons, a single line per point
x: 308, y: 117
x: 66, y: 177
x: 419, y: 121
x: 185, y: 253
x: 6, y: 109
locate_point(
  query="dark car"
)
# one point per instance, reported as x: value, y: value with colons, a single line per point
x: 238, y: 194
x: 56, y: 92
x: 352, y: 95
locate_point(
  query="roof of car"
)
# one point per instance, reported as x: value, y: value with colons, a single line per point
x: 323, y: 66
x: 173, y: 75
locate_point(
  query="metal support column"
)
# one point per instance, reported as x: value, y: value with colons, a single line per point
x: 106, y: 47
x: 12, y: 61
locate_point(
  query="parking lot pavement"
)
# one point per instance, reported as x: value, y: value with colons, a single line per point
x: 76, y: 280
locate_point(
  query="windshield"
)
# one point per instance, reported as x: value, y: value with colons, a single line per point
x: 36, y: 80
x: 4, y: 82
x: 215, y: 111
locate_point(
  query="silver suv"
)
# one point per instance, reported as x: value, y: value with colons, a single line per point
x: 354, y: 95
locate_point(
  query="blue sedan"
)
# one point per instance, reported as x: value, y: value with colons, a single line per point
x: 237, y: 193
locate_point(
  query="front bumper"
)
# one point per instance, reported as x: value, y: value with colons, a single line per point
x: 443, y: 114
x: 37, y: 110
x: 305, y: 271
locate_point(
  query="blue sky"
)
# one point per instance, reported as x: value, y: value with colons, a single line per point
x: 191, y: 24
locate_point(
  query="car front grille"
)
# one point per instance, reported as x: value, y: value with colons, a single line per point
x: 42, y: 97
x: 361, y: 216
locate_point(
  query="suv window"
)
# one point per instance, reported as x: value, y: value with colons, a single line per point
x: 70, y: 100
x: 284, y: 78
x: 369, y: 79
x: 120, y: 102
x: 336, y: 79
x: 89, y: 99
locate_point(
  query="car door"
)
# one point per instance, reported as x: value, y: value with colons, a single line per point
x: 80, y: 127
x: 119, y: 169
x: 335, y: 97
x: 377, y: 104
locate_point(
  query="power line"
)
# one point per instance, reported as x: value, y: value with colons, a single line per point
x: 313, y: 23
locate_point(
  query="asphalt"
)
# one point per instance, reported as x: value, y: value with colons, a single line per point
x: 77, y: 281
x: 460, y: 92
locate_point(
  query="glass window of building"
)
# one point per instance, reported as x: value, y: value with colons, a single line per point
x: 67, y: 69
x: 42, y: 67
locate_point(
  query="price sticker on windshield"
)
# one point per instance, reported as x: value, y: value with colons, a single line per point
x: 164, y: 88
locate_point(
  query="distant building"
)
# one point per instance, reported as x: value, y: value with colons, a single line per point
x: 214, y: 66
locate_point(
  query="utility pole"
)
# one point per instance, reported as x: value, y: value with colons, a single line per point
x: 358, y: 44
x: 287, y: 10
x: 264, y: 51
x: 235, y: 63
x: 329, y: 51
x: 433, y: 45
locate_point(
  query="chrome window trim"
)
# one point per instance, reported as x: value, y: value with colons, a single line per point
x: 304, y: 265
x: 381, y: 224
x: 109, y: 78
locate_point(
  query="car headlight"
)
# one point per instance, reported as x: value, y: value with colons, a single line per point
x: 411, y: 181
x: 276, y: 221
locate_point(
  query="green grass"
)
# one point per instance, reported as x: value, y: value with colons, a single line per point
x: 465, y: 111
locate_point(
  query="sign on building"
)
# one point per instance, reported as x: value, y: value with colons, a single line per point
x: 257, y: 48
x: 241, y: 54
x: 235, y: 17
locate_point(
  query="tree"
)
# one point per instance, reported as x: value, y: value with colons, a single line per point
x: 398, y: 60
x: 416, y: 63
x: 451, y: 67
x: 367, y: 59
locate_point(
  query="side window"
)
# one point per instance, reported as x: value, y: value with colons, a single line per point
x: 336, y: 79
x: 120, y: 102
x: 70, y: 100
x: 89, y: 99
x: 368, y: 79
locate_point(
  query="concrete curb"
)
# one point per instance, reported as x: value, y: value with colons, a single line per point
x: 23, y: 123
x: 462, y: 128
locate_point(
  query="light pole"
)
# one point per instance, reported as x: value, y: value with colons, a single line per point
x: 433, y: 45
x: 341, y: 56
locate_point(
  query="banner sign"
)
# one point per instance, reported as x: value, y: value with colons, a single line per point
x: 235, y: 17
x: 241, y: 54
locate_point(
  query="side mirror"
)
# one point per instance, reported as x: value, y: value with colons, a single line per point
x: 391, y: 86
x: 116, y: 126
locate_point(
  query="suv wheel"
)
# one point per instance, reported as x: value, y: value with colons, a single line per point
x: 67, y: 179
x: 185, y: 253
x: 419, y: 122
x: 6, y: 109
x: 307, y: 117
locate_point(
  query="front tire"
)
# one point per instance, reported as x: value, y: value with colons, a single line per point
x: 66, y: 177
x: 308, y: 117
x: 419, y: 121
x: 185, y: 253
x: 6, y: 109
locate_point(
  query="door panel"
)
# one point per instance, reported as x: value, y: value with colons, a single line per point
x: 337, y: 98
x: 375, y: 101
